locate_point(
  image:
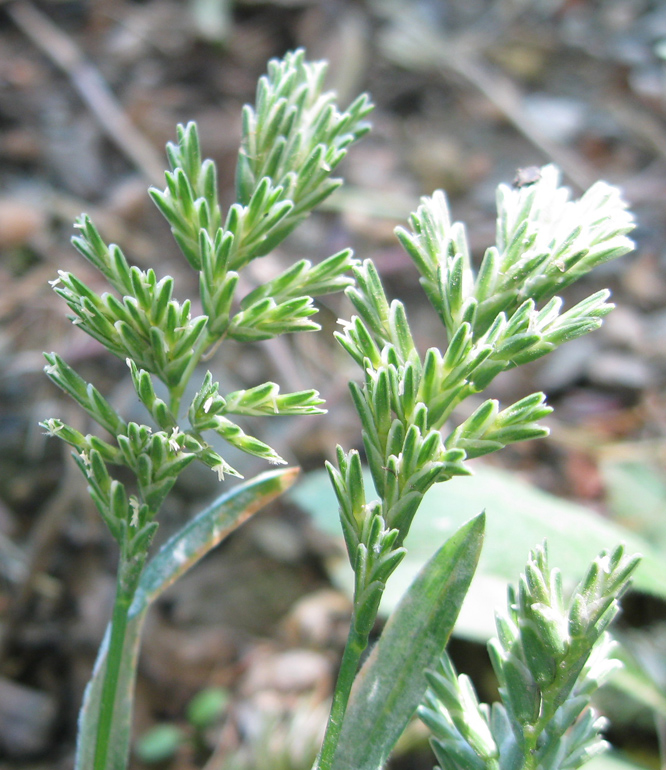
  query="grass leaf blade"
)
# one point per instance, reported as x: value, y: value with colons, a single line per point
x: 176, y: 556
x: 392, y: 682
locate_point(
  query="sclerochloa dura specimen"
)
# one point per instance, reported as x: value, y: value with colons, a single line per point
x: 547, y: 658
x: 292, y: 141
x: 504, y: 315
x: 550, y: 656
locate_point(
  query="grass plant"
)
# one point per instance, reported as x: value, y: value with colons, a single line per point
x: 550, y: 654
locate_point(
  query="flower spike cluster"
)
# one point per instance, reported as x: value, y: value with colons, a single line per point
x: 504, y: 315
x: 293, y: 139
x: 545, y: 241
x: 550, y: 656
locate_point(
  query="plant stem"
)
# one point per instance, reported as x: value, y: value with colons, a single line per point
x: 113, y: 662
x: 176, y: 393
x: 356, y: 644
x: 531, y: 736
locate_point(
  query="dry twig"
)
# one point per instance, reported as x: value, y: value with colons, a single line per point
x: 87, y: 80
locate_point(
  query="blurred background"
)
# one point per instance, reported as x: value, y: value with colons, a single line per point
x: 466, y: 92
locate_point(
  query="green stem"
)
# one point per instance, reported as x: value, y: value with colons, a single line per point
x: 531, y: 736
x: 176, y: 393
x: 356, y: 644
x: 111, y: 675
x: 462, y: 394
x: 529, y: 753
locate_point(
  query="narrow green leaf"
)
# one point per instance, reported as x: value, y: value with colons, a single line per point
x: 176, y: 556
x: 207, y: 530
x: 392, y: 682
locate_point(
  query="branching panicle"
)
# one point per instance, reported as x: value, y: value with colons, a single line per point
x: 545, y: 241
x: 492, y: 320
x: 504, y: 315
x: 550, y: 656
x: 292, y: 142
x: 157, y: 335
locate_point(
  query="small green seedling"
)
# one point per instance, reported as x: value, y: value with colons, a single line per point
x: 163, y: 741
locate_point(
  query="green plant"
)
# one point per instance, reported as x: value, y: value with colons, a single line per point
x: 163, y: 741
x: 549, y: 657
x: 291, y: 142
x: 503, y: 315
